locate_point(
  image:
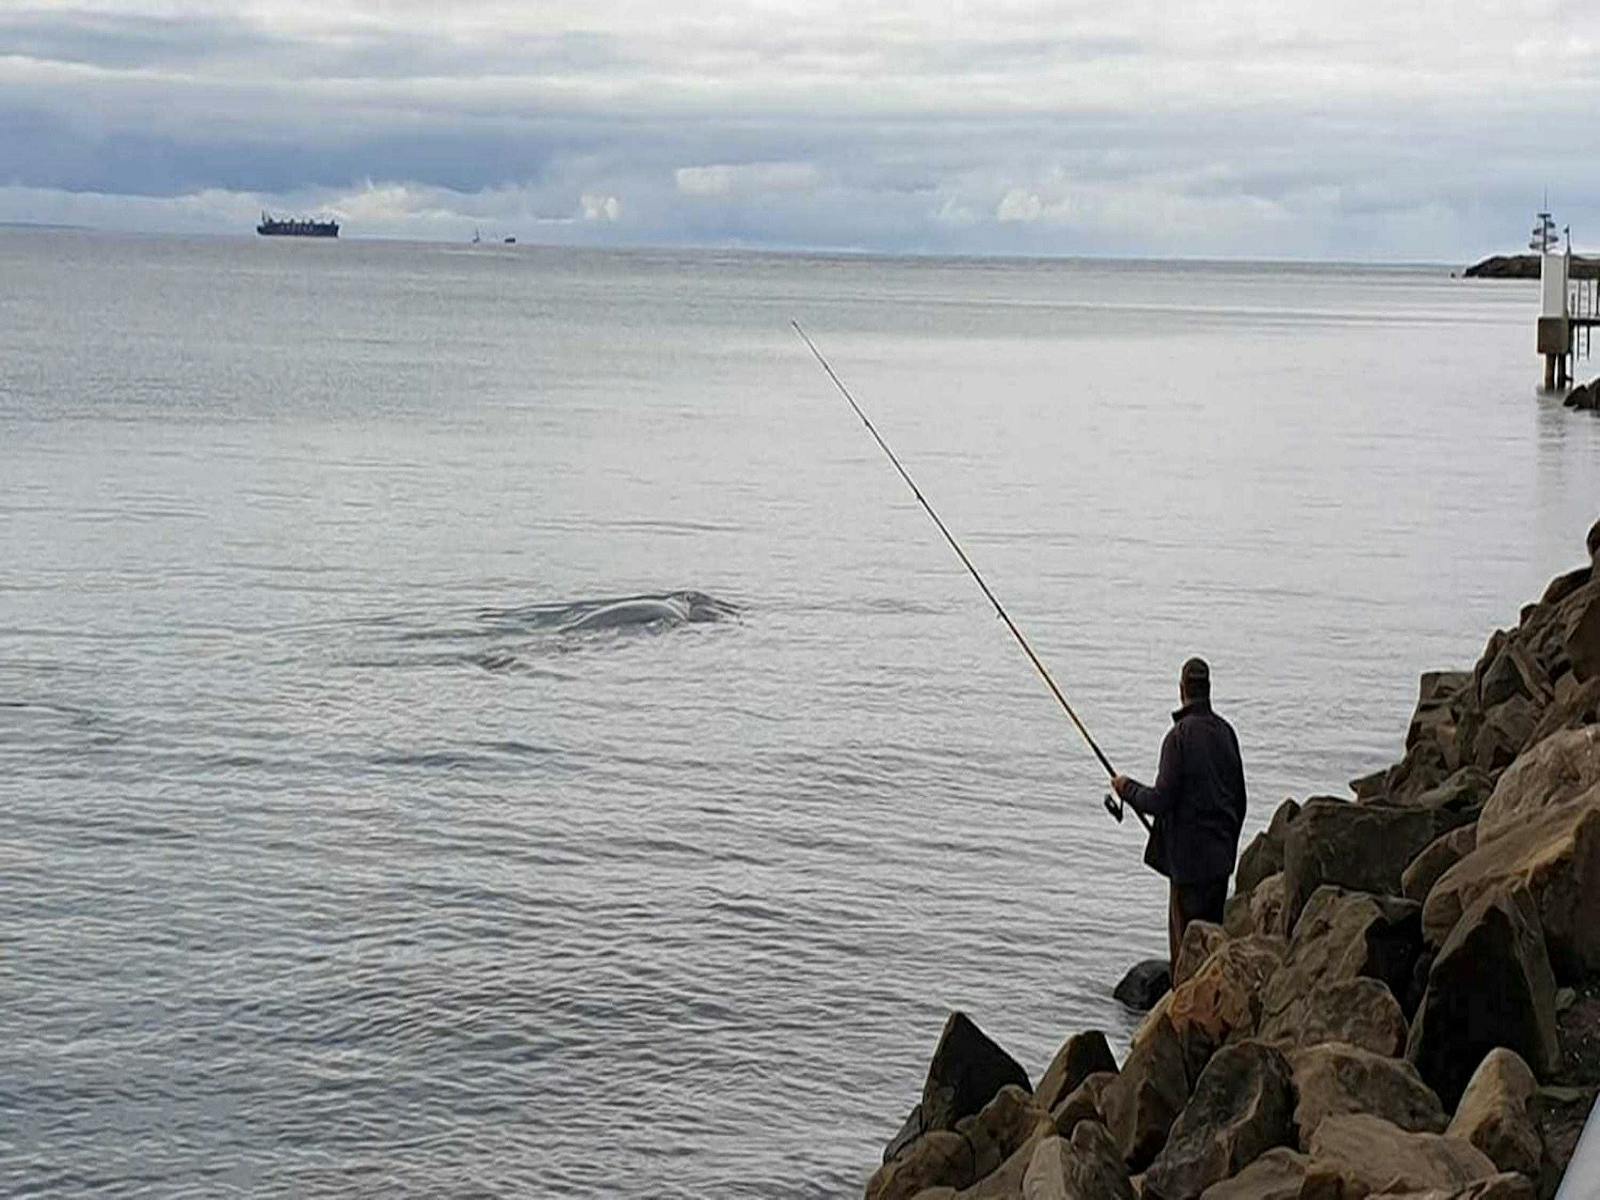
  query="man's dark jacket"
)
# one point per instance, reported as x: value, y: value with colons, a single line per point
x: 1197, y: 800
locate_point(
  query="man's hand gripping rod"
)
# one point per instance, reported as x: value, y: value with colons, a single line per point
x: 1113, y: 806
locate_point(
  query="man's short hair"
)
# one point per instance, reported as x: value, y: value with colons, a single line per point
x: 1195, y: 679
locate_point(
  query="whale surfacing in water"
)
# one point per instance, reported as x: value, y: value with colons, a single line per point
x: 672, y: 608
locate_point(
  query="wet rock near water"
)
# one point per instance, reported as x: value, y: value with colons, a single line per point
x: 1144, y: 984
x: 1403, y: 998
x: 1584, y: 397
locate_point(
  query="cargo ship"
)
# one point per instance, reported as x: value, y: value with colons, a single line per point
x: 296, y: 227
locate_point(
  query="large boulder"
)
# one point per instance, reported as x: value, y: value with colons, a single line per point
x: 1503, y: 732
x: 1222, y: 1001
x: 1559, y: 769
x: 1144, y: 984
x: 1276, y: 1175
x: 1242, y: 1107
x: 1200, y: 938
x: 1512, y: 673
x: 967, y: 1071
x: 1264, y: 855
x: 1460, y: 797
x: 1340, y: 936
x: 1082, y: 1055
x: 1580, y: 633
x: 1005, y: 1125
x: 1335, y: 1079
x: 1556, y: 860
x: 1490, y: 985
x: 1496, y: 1113
x: 1082, y: 1104
x: 1085, y: 1166
x: 940, y: 1158
x: 1147, y: 1095
x: 1360, y: 1012
x: 1358, y: 1154
x: 1362, y: 847
x: 1437, y: 857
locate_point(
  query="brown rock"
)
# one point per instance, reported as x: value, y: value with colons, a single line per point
x: 1489, y: 986
x: 1514, y: 672
x: 1146, y: 1096
x: 1081, y: 1056
x: 1437, y: 857
x: 1557, y: 770
x: 1506, y: 729
x: 1007, y: 1123
x: 1581, y: 635
x: 1266, y: 905
x: 1359, y: 1012
x: 1242, y: 1107
x: 1276, y: 1175
x: 1200, y: 938
x: 1361, y: 847
x: 1222, y: 1002
x: 1358, y: 1154
x: 942, y: 1157
x: 1575, y: 705
x: 1084, y: 1167
x: 1335, y: 1079
x: 1496, y: 1113
x: 1083, y: 1104
x: 1264, y: 855
x: 1341, y: 935
x: 1556, y: 859
x: 1462, y: 795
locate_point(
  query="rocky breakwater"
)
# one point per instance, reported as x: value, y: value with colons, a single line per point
x: 1404, y: 999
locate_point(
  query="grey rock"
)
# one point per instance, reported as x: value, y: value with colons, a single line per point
x: 1242, y: 1106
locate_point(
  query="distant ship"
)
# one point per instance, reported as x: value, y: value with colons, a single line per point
x: 296, y: 227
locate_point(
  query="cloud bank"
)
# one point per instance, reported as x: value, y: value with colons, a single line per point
x: 1224, y: 127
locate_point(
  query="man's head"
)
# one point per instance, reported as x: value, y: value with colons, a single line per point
x: 1194, y: 681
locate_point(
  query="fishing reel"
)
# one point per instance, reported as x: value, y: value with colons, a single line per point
x: 1114, y: 807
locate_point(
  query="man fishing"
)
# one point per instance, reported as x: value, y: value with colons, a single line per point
x: 1198, y: 805
x: 1198, y: 798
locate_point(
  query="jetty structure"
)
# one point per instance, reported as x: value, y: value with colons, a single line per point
x: 1568, y: 308
x: 297, y: 227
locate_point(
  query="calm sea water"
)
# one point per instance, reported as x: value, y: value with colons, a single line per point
x: 332, y: 862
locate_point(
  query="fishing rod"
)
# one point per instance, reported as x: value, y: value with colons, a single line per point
x: 1113, y: 806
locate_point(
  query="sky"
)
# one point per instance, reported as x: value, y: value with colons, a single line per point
x: 1364, y: 130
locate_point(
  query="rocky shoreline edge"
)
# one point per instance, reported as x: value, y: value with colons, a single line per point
x: 1403, y: 999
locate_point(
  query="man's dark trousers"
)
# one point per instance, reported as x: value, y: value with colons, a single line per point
x: 1192, y: 902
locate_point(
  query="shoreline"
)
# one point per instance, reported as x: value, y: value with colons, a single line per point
x: 1403, y: 998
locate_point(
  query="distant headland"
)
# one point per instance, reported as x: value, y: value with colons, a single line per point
x: 1526, y: 266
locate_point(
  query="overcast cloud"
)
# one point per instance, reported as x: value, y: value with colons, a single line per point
x: 1223, y: 127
